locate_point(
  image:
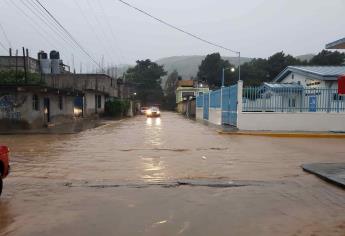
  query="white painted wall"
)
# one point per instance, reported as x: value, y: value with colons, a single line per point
x: 215, y: 116
x: 276, y: 121
x: 199, y: 113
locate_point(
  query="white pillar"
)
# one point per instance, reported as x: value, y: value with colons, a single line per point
x: 239, y: 101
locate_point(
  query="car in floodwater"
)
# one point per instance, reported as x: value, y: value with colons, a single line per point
x: 143, y: 110
x: 153, y: 112
x: 4, y: 164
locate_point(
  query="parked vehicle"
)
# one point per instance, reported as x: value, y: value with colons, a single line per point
x: 4, y: 165
x: 143, y: 110
x: 153, y: 112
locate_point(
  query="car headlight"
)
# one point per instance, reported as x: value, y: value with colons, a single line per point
x: 158, y: 112
x: 149, y: 112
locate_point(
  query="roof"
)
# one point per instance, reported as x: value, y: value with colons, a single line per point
x: 186, y: 83
x: 281, y: 87
x: 339, y: 44
x: 315, y: 72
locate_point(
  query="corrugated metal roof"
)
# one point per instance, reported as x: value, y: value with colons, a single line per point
x: 339, y: 44
x: 316, y: 72
x: 283, y: 86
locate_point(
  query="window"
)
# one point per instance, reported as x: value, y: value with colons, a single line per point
x: 99, y: 101
x: 60, y: 102
x: 292, y: 76
x: 35, y: 103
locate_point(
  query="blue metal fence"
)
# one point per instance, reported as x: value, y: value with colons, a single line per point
x: 229, y: 105
x: 200, y: 101
x: 215, y: 99
x: 206, y: 106
x: 292, y: 99
x: 225, y: 99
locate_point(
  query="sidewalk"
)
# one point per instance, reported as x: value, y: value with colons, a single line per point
x: 331, y: 172
x: 282, y: 134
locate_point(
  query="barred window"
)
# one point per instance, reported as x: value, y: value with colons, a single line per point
x: 35, y: 102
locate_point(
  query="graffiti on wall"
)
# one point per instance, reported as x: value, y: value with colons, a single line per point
x: 9, y: 104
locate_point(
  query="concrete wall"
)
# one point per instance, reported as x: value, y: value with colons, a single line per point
x: 275, y: 121
x: 90, y: 106
x: 13, y: 63
x: 84, y: 82
x: 199, y: 113
x: 23, y: 109
x: 215, y: 116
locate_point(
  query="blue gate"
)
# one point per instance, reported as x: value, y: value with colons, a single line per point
x: 206, y: 105
x: 229, y: 105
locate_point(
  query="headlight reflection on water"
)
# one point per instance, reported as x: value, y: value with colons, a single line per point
x: 154, y: 121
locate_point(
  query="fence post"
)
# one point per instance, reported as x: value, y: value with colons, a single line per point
x: 239, y: 101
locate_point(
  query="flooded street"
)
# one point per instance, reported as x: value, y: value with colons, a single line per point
x: 168, y: 176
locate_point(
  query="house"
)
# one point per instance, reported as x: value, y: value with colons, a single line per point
x: 189, y: 88
x: 96, y: 87
x: 298, y: 89
x: 312, y: 76
x: 48, y: 94
x: 186, y: 92
x: 34, y: 106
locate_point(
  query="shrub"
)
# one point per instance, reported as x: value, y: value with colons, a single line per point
x: 116, y: 108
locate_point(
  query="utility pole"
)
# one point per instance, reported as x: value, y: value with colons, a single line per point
x: 25, y: 69
x: 16, y: 65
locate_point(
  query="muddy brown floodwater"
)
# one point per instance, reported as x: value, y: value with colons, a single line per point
x: 168, y: 176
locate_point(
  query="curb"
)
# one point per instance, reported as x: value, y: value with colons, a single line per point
x: 285, y: 135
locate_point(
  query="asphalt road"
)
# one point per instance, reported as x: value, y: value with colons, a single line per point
x: 168, y: 176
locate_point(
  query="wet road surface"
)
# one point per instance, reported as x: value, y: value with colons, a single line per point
x: 168, y: 176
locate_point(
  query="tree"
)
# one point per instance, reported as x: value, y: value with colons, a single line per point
x: 255, y: 72
x: 170, y: 91
x: 278, y: 62
x: 211, y: 68
x: 171, y: 83
x: 328, y: 58
x: 146, y: 76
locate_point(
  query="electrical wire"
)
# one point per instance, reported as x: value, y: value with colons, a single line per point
x: 177, y: 28
x: 112, y: 33
x: 93, y: 29
x: 4, y: 32
x: 3, y: 46
x: 69, y: 34
x: 36, y: 11
x: 33, y: 23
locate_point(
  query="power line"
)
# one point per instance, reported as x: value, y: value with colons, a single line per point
x: 177, y: 28
x: 33, y: 22
x: 3, y: 46
x: 38, y: 13
x: 93, y: 29
x: 107, y: 20
x: 69, y: 34
x: 4, y: 32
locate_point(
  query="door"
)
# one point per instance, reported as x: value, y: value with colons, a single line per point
x: 47, y: 110
x: 229, y: 105
x: 206, y: 106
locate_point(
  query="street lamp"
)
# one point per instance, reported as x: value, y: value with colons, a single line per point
x: 232, y: 69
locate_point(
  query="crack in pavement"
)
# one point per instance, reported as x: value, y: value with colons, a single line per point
x: 183, y: 182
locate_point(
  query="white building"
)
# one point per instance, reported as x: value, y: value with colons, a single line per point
x: 311, y: 76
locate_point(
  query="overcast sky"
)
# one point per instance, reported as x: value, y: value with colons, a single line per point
x: 257, y: 28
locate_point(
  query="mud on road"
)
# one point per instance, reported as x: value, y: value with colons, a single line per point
x: 168, y: 176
